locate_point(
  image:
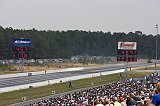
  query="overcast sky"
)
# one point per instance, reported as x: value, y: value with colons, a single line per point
x: 94, y: 15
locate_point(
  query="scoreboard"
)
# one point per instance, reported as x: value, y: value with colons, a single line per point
x: 128, y: 58
x: 127, y: 52
x: 21, y: 55
x: 21, y: 49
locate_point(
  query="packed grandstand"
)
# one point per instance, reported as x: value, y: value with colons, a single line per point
x: 130, y: 92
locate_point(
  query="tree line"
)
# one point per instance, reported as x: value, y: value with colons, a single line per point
x: 64, y: 44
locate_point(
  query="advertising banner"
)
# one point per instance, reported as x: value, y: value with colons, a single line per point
x: 21, y: 42
x: 127, y: 45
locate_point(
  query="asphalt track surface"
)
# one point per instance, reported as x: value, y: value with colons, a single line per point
x: 15, y: 81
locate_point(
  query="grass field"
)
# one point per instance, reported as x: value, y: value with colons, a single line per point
x: 32, y: 93
x: 150, y: 68
x: 11, y: 69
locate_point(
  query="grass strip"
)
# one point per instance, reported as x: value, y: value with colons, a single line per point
x: 150, y: 68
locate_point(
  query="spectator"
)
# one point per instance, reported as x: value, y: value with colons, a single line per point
x: 116, y: 103
x: 136, y: 97
x: 106, y: 102
x: 130, y: 101
x: 156, y: 98
x: 123, y: 103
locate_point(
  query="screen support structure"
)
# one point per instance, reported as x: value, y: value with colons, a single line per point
x: 126, y: 67
x: 156, y: 26
x: 146, y: 65
x: 21, y: 65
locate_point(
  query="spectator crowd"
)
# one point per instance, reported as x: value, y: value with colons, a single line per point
x: 130, y: 92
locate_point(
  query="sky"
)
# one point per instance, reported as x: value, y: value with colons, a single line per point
x: 94, y: 15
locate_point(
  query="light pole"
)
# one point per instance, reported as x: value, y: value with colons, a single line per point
x: 156, y: 26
